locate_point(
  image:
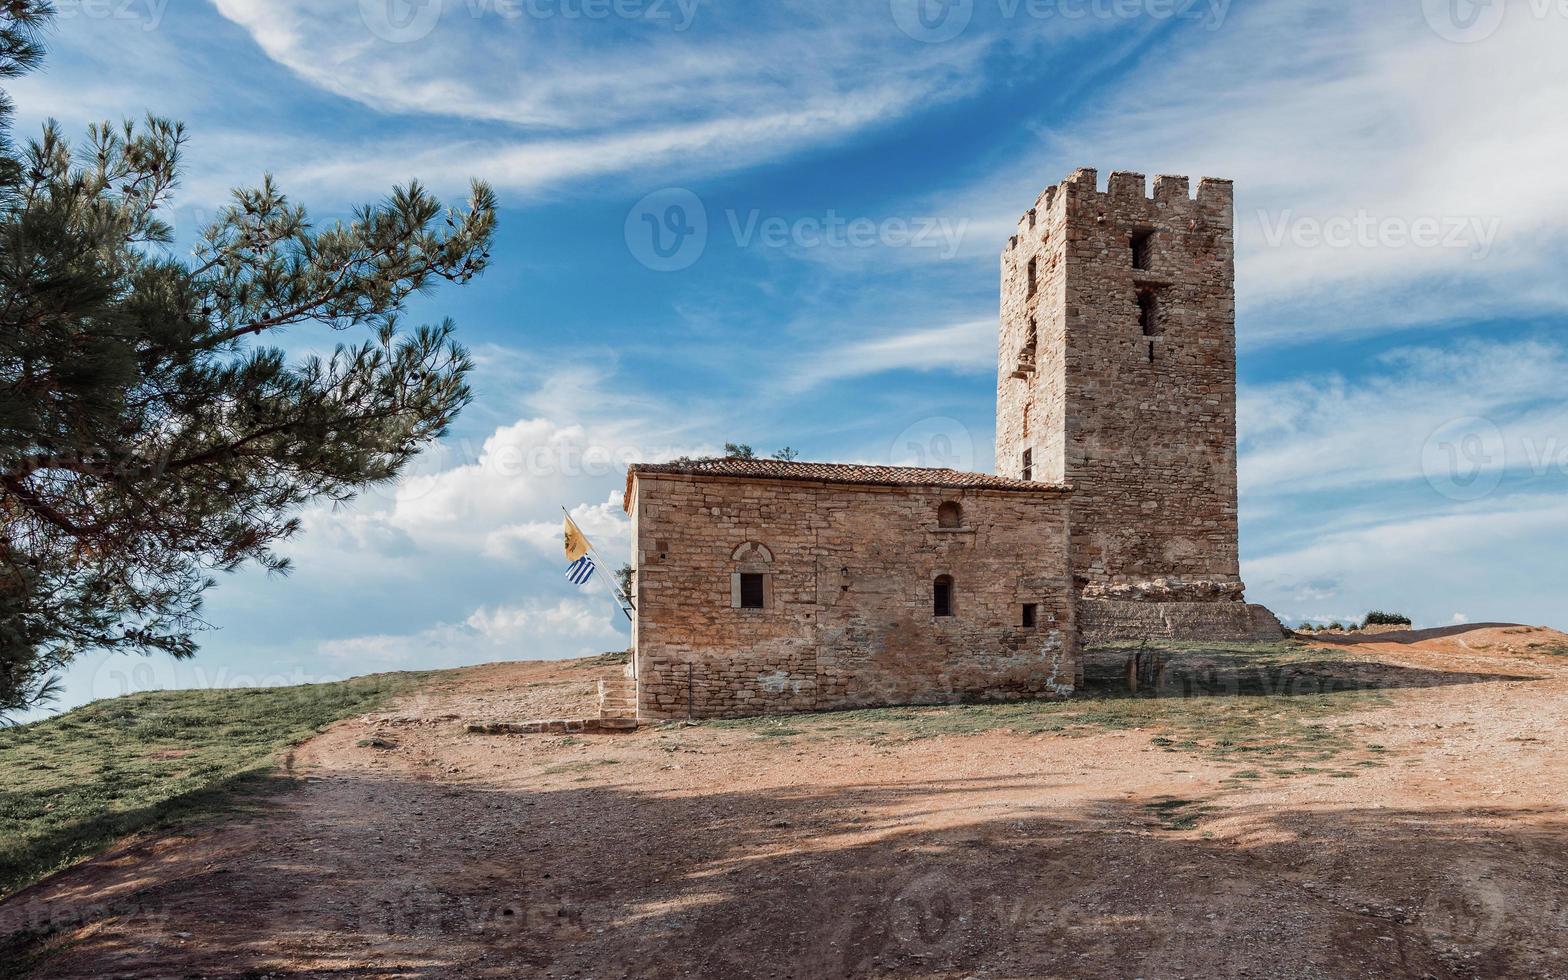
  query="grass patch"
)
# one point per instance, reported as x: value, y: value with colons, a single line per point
x: 77, y: 783
x: 1262, y: 704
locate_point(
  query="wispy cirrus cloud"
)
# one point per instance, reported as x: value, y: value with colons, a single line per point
x: 1381, y: 182
x: 968, y: 346
x: 1330, y: 431
x: 706, y: 87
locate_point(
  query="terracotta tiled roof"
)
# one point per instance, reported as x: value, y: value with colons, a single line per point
x: 844, y: 473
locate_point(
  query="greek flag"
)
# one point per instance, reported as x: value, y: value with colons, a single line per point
x: 580, y: 571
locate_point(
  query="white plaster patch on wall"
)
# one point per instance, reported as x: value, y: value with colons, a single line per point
x: 1053, y: 646
x: 779, y: 682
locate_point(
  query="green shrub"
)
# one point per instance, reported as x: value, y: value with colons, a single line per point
x: 1379, y: 618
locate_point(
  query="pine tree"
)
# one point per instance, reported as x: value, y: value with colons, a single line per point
x: 149, y: 437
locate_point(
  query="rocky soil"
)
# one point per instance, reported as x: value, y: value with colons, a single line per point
x: 1433, y: 845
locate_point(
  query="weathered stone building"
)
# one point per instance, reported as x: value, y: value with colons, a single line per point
x: 765, y: 586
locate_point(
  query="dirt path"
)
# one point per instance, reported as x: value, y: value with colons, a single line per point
x: 723, y: 852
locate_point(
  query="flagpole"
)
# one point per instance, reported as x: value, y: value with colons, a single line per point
x: 622, y: 601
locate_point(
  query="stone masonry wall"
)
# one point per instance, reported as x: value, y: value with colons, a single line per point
x: 1143, y: 428
x: 850, y: 619
x: 1107, y: 621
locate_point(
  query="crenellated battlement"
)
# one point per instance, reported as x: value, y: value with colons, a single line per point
x: 1172, y: 196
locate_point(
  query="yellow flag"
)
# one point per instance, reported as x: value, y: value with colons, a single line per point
x: 576, y: 541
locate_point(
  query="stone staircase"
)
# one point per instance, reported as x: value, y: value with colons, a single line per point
x: 618, y: 699
x: 617, y: 713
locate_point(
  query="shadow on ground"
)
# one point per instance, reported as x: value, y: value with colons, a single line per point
x: 1280, y: 670
x: 364, y: 877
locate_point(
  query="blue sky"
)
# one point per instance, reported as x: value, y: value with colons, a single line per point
x: 850, y: 172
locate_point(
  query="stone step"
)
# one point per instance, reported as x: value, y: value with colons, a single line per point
x: 559, y: 726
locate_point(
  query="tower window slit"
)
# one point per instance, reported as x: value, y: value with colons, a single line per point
x: 1143, y: 250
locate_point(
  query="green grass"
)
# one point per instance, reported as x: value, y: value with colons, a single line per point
x: 75, y: 784
x: 1268, y: 705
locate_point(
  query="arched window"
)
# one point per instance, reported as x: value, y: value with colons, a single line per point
x: 942, y: 596
x: 950, y: 514
x: 751, y: 577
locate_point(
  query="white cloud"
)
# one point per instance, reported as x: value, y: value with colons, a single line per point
x: 1320, y: 115
x: 738, y: 87
x: 1323, y: 431
x: 969, y: 346
x: 526, y: 631
x: 1500, y: 555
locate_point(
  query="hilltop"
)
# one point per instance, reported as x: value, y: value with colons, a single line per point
x: 1335, y: 806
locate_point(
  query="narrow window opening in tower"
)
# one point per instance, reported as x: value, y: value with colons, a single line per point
x: 1034, y: 270
x: 1031, y: 217
x: 1142, y: 249
x: 1149, y: 312
x: 1028, y: 465
x: 942, y: 596
x: 1151, y: 352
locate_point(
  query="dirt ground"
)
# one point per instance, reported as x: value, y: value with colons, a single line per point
x: 750, y: 851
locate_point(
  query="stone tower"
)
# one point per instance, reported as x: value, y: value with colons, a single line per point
x: 1117, y: 376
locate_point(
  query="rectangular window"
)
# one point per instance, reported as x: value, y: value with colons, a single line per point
x: 942, y: 596
x: 753, y: 591
x: 1149, y: 312
x: 1028, y: 465
x: 1034, y: 270
x: 1030, y: 611
x: 1143, y: 250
